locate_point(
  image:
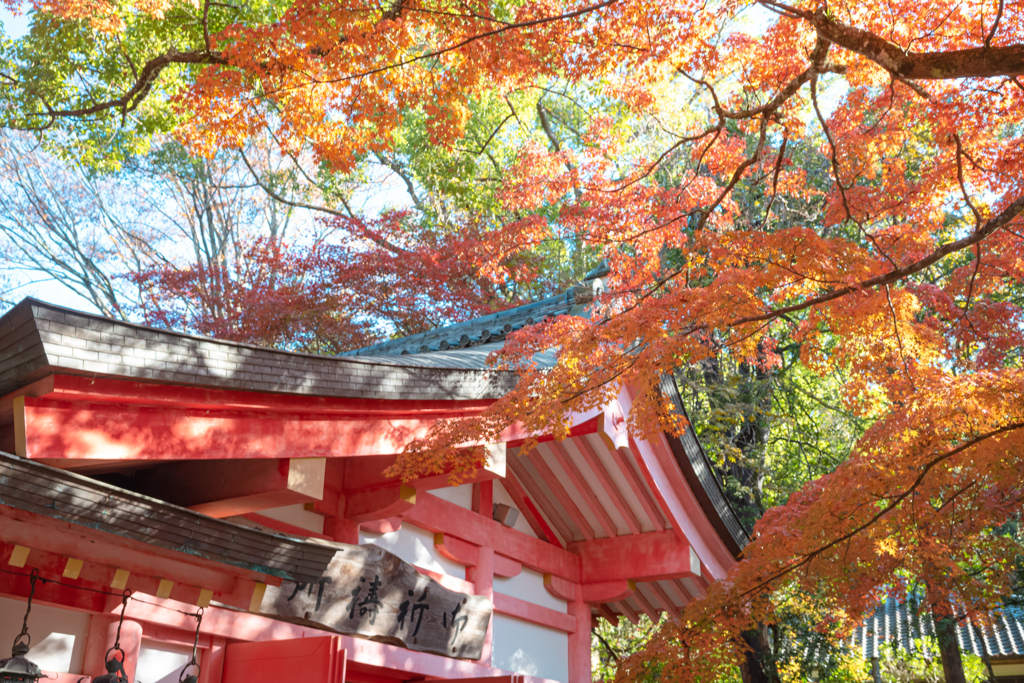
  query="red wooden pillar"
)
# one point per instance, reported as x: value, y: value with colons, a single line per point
x: 483, y: 498
x: 102, y: 636
x: 212, y: 661
x: 579, y: 640
x: 342, y: 530
x: 482, y: 576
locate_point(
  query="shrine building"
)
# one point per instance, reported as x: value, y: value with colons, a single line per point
x: 185, y: 506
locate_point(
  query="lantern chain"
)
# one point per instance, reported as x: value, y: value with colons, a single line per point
x: 28, y: 608
x: 186, y: 677
x: 124, y: 604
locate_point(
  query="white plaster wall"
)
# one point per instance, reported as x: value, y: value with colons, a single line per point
x: 296, y: 515
x: 529, y: 649
x: 457, y: 495
x: 162, y: 662
x: 529, y: 585
x: 415, y: 546
x: 501, y: 496
x: 58, y: 635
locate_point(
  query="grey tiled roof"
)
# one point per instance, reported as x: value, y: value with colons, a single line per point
x: 69, y: 497
x: 900, y: 623
x: 37, y: 339
x: 488, y: 330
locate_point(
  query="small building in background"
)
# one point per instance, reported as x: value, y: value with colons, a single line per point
x: 176, y: 476
x: 902, y: 625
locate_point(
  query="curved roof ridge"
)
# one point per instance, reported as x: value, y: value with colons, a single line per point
x: 493, y: 327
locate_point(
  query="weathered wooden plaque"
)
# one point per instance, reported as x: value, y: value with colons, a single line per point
x: 369, y: 592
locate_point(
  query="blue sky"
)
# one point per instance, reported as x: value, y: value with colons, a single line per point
x: 14, y: 26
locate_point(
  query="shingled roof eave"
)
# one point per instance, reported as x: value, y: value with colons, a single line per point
x: 38, y: 338
x: 65, y: 496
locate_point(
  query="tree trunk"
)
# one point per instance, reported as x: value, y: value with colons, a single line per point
x: 945, y: 632
x: 758, y: 666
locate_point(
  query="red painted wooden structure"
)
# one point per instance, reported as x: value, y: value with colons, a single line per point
x: 615, y: 527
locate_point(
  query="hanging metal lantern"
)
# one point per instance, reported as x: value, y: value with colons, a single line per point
x: 18, y: 669
x: 115, y: 667
x: 187, y: 675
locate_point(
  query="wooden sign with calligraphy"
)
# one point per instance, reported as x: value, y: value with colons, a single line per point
x: 371, y: 593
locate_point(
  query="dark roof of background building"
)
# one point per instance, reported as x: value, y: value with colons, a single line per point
x: 901, y: 623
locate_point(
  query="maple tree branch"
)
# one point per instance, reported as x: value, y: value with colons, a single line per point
x: 954, y: 496
x: 889, y: 506
x: 376, y: 239
x: 775, y: 180
x: 834, y: 160
x: 995, y: 25
x: 410, y: 187
x: 483, y: 146
x: 147, y: 76
x: 975, y: 62
x: 611, y: 650
x: 206, y: 25
x: 960, y: 179
x: 1001, y: 220
x: 899, y: 337
x: 545, y: 123
x: 504, y: 28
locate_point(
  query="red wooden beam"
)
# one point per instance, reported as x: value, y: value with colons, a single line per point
x: 577, y: 480
x: 650, y: 610
x: 680, y: 591
x: 628, y: 611
x: 540, y: 500
x: 634, y: 482
x: 382, y: 502
x: 697, y: 589
x: 529, y: 509
x: 382, y: 526
x: 483, y: 498
x: 598, y: 468
x: 102, y: 390
x: 433, y: 514
x: 608, y: 614
x: 457, y: 550
x: 58, y: 430
x: 608, y: 591
x: 561, y: 494
x: 534, y: 613
x: 650, y: 556
x: 665, y: 600
x: 506, y: 567
x: 560, y: 588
